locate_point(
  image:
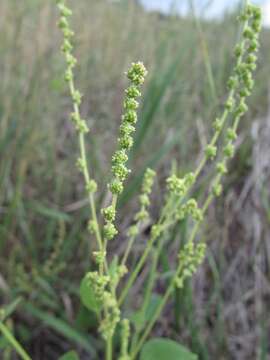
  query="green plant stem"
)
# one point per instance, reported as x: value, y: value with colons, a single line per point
x: 86, y: 173
x: 161, y: 305
x: 129, y: 246
x: 145, y: 254
x: 170, y: 288
x: 168, y: 213
x: 128, y: 249
x: 109, y: 349
x: 136, y: 271
x: 149, y: 288
x: 152, y: 274
x: 154, y: 318
x: 213, y: 141
x: 114, y: 201
x: 15, y: 344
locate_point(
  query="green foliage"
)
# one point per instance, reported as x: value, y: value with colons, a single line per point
x: 88, y: 294
x: 71, y: 355
x: 163, y: 349
x: 108, y: 287
x: 13, y: 342
x: 99, y: 288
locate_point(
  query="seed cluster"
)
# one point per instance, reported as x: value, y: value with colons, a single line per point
x: 112, y: 316
x: 125, y: 334
x: 179, y: 186
x: 191, y: 208
x: 178, y: 205
x: 67, y: 48
x: 143, y: 213
x: 136, y: 75
x: 190, y: 258
x: 79, y: 123
x: 240, y: 85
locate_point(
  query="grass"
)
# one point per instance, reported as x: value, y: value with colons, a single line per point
x: 39, y: 188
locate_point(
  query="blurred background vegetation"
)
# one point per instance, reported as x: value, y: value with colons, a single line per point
x: 45, y: 247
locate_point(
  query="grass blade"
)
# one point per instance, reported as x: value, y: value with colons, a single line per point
x: 15, y: 344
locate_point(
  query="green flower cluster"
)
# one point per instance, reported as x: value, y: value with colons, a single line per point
x: 120, y: 271
x: 125, y: 334
x: 147, y: 184
x: 99, y: 257
x: 136, y: 74
x: 190, y: 259
x: 240, y: 85
x: 189, y: 208
x: 71, y: 61
x: 98, y: 284
x: 179, y: 186
x: 109, y: 230
x: 178, y: 204
x: 210, y: 151
x: 79, y: 123
x: 112, y: 316
x: 142, y: 214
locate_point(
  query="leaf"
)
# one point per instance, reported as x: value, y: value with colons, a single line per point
x: 165, y: 349
x: 85, y: 319
x: 49, y: 212
x: 10, y: 308
x: 152, y: 306
x: 71, y: 355
x: 140, y: 317
x: 3, y: 343
x: 87, y: 295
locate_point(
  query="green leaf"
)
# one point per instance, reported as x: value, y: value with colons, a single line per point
x: 152, y: 306
x: 85, y: 319
x: 164, y: 349
x: 10, y: 308
x: 3, y: 343
x: 71, y: 355
x: 87, y: 295
x: 49, y: 212
x: 140, y: 317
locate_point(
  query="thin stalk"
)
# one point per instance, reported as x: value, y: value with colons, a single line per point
x: 86, y: 173
x: 128, y: 249
x: 161, y: 305
x: 154, y: 318
x: 149, y: 288
x: 177, y: 273
x: 15, y: 344
x: 136, y: 271
x: 109, y: 349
